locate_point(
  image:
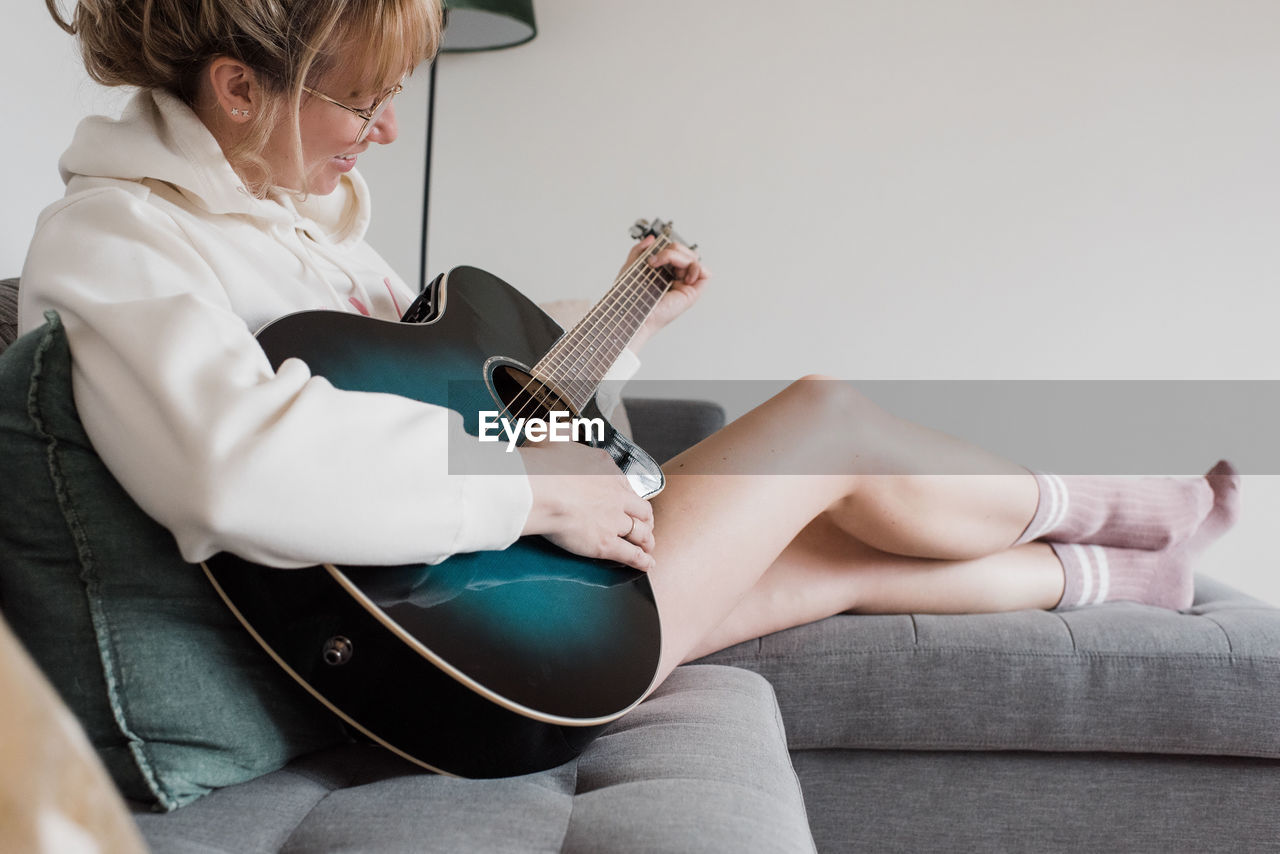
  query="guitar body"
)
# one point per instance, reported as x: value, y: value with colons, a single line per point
x: 490, y: 663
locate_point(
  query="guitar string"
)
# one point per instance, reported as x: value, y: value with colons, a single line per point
x: 604, y: 322
x: 604, y: 344
x: 541, y: 374
x: 625, y: 293
x: 541, y: 382
x: 622, y: 297
x: 640, y: 279
x: 628, y: 290
x: 581, y: 364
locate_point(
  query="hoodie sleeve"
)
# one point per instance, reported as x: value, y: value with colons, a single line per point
x: 276, y: 466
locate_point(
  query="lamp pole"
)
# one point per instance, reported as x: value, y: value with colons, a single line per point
x: 470, y: 26
x: 426, y: 178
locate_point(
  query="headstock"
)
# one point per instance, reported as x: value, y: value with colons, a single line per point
x: 659, y: 229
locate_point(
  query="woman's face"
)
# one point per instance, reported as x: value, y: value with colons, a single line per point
x: 329, y: 147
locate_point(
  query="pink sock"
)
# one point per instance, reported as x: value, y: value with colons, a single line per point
x: 1127, y: 512
x: 1163, y: 578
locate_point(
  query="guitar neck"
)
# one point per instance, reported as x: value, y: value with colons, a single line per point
x: 578, y: 362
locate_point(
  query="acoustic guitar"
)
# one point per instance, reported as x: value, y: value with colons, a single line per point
x: 490, y: 663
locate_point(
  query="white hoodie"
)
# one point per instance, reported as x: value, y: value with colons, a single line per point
x: 162, y: 266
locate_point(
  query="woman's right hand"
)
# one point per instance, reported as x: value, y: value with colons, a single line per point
x: 583, y: 503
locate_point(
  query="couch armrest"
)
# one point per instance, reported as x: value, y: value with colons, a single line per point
x: 666, y: 426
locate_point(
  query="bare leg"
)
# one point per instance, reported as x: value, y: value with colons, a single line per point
x: 931, y: 515
x: 825, y: 571
x: 735, y: 502
x: 922, y: 489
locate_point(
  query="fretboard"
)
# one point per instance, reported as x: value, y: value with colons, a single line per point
x: 578, y: 362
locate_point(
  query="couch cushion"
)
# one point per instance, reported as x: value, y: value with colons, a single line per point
x: 666, y: 426
x: 701, y: 765
x: 174, y: 695
x: 1116, y: 677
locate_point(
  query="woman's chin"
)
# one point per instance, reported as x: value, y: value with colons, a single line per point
x: 324, y: 181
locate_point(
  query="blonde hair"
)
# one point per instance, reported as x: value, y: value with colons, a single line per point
x: 167, y: 44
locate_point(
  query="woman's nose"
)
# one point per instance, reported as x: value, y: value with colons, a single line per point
x: 385, y: 130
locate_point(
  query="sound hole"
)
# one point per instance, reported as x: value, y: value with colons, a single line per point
x: 525, y: 397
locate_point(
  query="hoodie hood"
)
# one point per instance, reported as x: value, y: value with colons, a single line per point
x: 159, y: 139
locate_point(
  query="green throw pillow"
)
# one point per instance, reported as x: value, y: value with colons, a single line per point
x: 175, y: 695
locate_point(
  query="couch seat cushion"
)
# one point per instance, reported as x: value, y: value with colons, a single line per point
x: 1117, y: 677
x: 701, y: 765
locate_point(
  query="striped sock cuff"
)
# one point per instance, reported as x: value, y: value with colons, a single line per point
x: 1051, y: 510
x: 1087, y: 574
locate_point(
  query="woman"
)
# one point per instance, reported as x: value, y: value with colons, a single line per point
x: 226, y: 197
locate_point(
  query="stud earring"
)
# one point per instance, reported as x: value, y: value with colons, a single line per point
x: 236, y: 111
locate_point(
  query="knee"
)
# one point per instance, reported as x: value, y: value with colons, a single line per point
x: 836, y: 403
x: 854, y: 431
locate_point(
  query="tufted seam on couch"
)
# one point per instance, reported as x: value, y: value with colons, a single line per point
x: 722, y: 756
x: 1083, y: 654
x: 1070, y: 634
x: 782, y: 735
x: 286, y: 846
x: 573, y: 805
x: 1043, y: 745
x: 1230, y: 650
x: 1231, y: 653
x: 328, y: 783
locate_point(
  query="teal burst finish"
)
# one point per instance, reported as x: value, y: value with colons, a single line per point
x: 555, y: 633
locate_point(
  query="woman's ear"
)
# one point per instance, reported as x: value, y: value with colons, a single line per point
x: 235, y: 88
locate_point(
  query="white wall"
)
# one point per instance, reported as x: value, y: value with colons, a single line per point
x: 46, y: 93
x: 899, y: 189
x: 886, y: 189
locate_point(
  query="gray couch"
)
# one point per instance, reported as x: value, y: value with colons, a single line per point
x: 1118, y: 727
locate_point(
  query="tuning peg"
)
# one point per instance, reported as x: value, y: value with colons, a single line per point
x: 640, y: 229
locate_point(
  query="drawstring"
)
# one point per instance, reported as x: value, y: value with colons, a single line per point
x: 308, y: 249
x: 312, y: 249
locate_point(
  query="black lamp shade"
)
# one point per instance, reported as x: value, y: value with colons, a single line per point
x: 472, y: 25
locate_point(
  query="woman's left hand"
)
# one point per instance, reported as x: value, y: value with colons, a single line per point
x: 690, y: 276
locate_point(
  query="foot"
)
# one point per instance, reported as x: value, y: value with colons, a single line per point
x: 1164, y: 577
x: 1151, y: 513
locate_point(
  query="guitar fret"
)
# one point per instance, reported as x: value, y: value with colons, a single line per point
x: 577, y: 364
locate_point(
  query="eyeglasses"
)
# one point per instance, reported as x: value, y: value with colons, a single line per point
x: 370, y: 115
